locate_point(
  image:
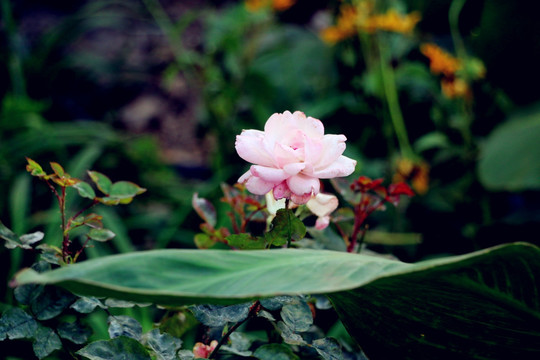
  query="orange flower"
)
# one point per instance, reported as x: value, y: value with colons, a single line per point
x: 354, y: 18
x: 440, y: 62
x: 345, y: 26
x: 278, y: 5
x: 417, y: 172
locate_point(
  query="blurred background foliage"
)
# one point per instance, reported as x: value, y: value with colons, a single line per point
x: 154, y: 91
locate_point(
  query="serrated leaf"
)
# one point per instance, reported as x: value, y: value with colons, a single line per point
x: 285, y: 227
x: 46, y: 342
x: 122, y: 325
x: 51, y: 302
x: 277, y: 302
x: 215, y: 315
x: 275, y: 352
x: 85, y: 190
x: 164, y: 345
x: 297, y: 316
x: 16, y: 323
x: 328, y: 348
x: 74, y: 332
x: 50, y: 254
x: 204, y: 209
x: 101, y: 234
x: 86, y: 305
x: 102, y: 182
x: 26, y: 293
x: 28, y: 239
x: 57, y: 168
x: 125, y: 190
x: 246, y: 241
x: 288, y: 335
x: 120, y: 348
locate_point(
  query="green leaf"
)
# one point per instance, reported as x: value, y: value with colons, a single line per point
x: 28, y: 239
x: 58, y: 169
x: 275, y: 352
x: 214, y: 315
x: 46, y: 342
x: 435, y: 306
x: 16, y: 323
x: 328, y: 348
x: 120, y: 348
x: 509, y: 156
x: 203, y: 241
x: 74, y: 332
x: 51, y: 302
x: 125, y: 190
x: 101, y: 234
x: 289, y: 335
x: 34, y: 168
x: 25, y: 294
x: 297, y: 315
x: 102, y: 182
x: 12, y: 240
x: 122, y: 325
x: 164, y: 345
x: 86, y: 305
x: 285, y: 227
x: 246, y: 241
x: 85, y: 190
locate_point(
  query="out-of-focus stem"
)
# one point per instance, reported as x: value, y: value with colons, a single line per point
x: 392, y: 100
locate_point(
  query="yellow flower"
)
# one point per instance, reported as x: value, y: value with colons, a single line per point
x: 278, y: 5
x: 359, y: 17
x: 440, y: 62
x: 393, y: 21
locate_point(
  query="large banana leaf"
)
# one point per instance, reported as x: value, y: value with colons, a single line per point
x: 483, y: 305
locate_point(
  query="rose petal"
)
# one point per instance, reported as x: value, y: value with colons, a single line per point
x: 323, y: 204
x: 294, y: 168
x: 300, y: 199
x: 322, y: 222
x: 269, y: 174
x: 343, y: 166
x: 312, y: 127
x: 254, y: 184
x: 281, y: 191
x: 301, y: 184
x: 333, y: 147
x: 250, y: 147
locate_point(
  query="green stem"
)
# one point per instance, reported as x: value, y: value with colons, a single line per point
x: 288, y: 223
x: 392, y: 100
x: 459, y: 45
x: 453, y: 18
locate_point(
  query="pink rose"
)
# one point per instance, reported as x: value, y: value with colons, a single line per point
x: 290, y: 156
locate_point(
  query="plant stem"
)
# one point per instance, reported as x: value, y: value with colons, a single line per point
x: 392, y: 101
x: 288, y: 223
x: 255, y: 308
